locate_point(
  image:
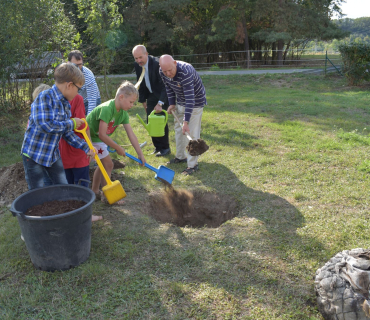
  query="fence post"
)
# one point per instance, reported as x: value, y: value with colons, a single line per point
x: 326, y: 59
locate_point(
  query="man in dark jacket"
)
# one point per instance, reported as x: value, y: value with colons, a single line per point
x: 152, y: 93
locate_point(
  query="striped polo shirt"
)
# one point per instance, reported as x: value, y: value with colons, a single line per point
x: 185, y: 88
x: 90, y: 90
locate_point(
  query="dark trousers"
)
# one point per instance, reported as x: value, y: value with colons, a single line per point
x: 160, y: 143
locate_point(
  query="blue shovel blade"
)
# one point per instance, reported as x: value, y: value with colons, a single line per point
x: 165, y: 173
x: 162, y: 173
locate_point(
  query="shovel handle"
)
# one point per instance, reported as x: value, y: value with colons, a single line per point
x: 139, y: 161
x: 102, y: 169
x: 177, y: 119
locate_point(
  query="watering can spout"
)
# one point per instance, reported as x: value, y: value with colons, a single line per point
x: 143, y: 123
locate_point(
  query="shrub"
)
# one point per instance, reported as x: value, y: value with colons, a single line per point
x: 356, y: 62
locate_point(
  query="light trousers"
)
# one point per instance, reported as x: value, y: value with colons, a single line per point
x: 181, y: 139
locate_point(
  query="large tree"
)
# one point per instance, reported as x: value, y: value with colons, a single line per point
x: 29, y: 28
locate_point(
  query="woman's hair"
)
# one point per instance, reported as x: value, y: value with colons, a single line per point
x: 127, y: 89
x: 39, y: 89
x: 68, y: 72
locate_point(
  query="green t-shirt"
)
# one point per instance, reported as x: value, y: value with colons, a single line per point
x: 108, y: 113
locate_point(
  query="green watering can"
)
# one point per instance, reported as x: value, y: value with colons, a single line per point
x: 156, y: 123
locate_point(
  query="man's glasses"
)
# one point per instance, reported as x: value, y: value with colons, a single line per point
x: 79, y: 88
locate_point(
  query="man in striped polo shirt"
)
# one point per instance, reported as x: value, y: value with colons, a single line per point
x: 90, y: 90
x: 187, y: 97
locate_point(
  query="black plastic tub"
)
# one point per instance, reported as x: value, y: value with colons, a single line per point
x: 57, y: 242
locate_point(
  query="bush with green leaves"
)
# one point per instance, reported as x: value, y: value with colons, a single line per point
x: 356, y: 62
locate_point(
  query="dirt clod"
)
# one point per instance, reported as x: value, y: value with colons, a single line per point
x: 197, y: 147
x: 55, y: 207
x: 194, y: 209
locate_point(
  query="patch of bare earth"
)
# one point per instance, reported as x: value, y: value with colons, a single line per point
x: 195, y: 209
x: 13, y: 182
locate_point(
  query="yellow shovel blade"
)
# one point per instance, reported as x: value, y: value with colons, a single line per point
x: 114, y: 192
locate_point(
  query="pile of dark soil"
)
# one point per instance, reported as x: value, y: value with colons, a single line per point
x: 13, y: 182
x: 52, y: 208
x: 197, y: 147
x: 194, y: 209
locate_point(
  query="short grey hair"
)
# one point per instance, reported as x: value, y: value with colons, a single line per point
x: 139, y: 46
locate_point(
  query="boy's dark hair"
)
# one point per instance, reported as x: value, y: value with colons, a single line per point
x: 68, y: 72
x: 75, y: 53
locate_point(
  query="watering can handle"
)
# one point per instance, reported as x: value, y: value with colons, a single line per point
x: 139, y: 161
x: 158, y: 113
x: 102, y: 169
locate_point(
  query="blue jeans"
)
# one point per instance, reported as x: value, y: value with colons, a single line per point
x: 74, y: 175
x: 35, y: 173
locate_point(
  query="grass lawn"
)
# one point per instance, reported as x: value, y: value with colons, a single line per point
x: 292, y: 150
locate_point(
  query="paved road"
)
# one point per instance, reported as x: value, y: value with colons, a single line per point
x: 222, y: 73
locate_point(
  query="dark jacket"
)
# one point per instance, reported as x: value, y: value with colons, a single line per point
x: 156, y: 82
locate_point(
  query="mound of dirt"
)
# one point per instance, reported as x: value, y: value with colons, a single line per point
x: 195, y: 209
x: 13, y: 182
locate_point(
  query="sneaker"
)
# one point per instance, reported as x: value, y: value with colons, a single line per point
x: 163, y: 152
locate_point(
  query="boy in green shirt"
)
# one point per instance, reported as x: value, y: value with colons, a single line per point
x: 103, y: 121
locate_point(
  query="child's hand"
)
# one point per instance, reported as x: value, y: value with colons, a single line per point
x: 79, y: 122
x: 121, y: 151
x: 142, y: 158
x: 91, y: 154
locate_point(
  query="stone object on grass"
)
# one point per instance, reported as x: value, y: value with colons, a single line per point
x: 342, y: 286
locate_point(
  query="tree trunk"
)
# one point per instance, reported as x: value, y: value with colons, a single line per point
x: 280, y: 47
x: 286, y: 51
x: 246, y: 42
x: 273, y: 50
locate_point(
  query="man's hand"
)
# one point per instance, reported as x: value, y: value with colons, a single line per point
x: 171, y: 108
x: 79, y: 122
x: 185, y: 127
x: 158, y: 108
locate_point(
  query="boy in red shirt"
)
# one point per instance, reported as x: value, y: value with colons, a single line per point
x: 75, y: 162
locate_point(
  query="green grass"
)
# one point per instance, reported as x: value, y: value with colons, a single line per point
x: 293, y: 151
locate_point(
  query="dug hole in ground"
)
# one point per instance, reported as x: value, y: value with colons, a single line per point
x: 178, y: 206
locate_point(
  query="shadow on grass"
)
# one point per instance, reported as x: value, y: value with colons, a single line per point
x: 252, y: 255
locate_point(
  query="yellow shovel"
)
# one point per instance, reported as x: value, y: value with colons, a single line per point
x: 113, y: 191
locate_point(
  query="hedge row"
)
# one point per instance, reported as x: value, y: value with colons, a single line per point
x: 356, y: 62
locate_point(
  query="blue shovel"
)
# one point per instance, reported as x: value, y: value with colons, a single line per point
x: 162, y: 173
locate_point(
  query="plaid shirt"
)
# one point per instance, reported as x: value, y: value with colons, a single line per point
x: 48, y: 123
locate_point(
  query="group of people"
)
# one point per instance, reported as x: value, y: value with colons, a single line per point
x: 53, y: 153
